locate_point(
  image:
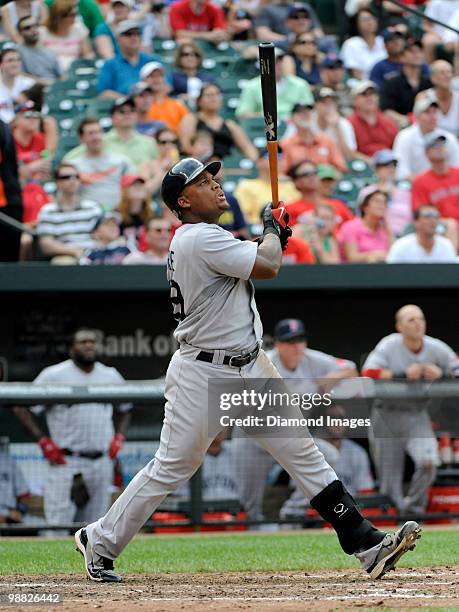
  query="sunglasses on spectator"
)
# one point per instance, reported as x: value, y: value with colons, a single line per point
x: 300, y: 16
x: 369, y: 92
x: 24, y: 28
x: 165, y: 142
x: 161, y: 229
x: 432, y: 214
x: 67, y: 177
x: 189, y: 54
x: 306, y: 174
x: 130, y: 33
x: 125, y: 111
x: 306, y: 41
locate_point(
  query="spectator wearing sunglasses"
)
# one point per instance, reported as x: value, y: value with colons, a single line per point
x: 64, y: 35
x: 168, y: 153
x: 188, y: 78
x: 37, y: 61
x: 157, y: 238
x: 425, y: 245
x: 280, y: 20
x: 65, y: 225
x: 306, y: 180
x: 120, y: 73
x: 303, y: 59
x: 11, y: 14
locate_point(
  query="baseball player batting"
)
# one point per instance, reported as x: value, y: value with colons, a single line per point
x: 220, y: 336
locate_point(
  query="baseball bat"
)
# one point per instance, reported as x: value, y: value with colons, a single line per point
x: 269, y: 97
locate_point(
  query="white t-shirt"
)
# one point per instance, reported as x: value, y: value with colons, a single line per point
x: 453, y: 21
x: 408, y: 250
x: 80, y: 427
x: 8, y: 96
x: 357, y: 55
x: 213, y: 300
x: 410, y: 151
x: 442, y: 10
x: 347, y: 131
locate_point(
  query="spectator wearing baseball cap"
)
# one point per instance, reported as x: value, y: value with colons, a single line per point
x: 328, y: 177
x: 291, y: 90
x: 121, y: 72
x: 142, y: 96
x: 124, y: 139
x: 105, y: 40
x: 253, y: 194
x: 197, y: 19
x: 30, y: 143
x: 399, y: 214
x: 398, y: 93
x: 394, y: 41
x: 360, y: 53
x: 327, y: 119
x: 367, y: 239
x: 332, y: 76
x: 163, y: 108
x: 307, y: 143
x: 280, y: 21
x: 373, y: 130
x: 409, y: 144
x: 439, y: 185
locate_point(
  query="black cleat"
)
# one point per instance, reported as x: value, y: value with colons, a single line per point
x: 99, y: 569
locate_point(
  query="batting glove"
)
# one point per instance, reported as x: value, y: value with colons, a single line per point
x: 116, y: 445
x: 51, y: 451
x: 275, y: 221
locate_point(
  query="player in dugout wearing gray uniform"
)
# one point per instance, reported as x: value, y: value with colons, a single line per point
x: 293, y: 360
x: 404, y: 426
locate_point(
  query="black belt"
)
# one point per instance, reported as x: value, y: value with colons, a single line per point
x: 235, y: 361
x: 83, y: 454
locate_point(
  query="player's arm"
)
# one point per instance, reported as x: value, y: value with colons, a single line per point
x: 269, y: 258
x: 377, y: 363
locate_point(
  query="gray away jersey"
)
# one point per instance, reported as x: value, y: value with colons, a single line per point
x: 392, y: 354
x: 213, y: 300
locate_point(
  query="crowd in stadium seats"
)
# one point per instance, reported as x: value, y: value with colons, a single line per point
x: 118, y: 90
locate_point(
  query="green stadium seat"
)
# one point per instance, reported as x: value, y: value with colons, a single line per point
x: 347, y: 190
x: 359, y: 168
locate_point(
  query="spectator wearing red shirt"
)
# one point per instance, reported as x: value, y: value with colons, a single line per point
x: 305, y: 179
x: 438, y: 186
x: 197, y: 19
x: 30, y: 144
x: 308, y: 143
x: 373, y: 130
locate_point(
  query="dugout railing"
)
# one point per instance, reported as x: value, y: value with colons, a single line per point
x: 441, y: 397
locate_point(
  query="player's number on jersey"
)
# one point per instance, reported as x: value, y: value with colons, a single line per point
x: 178, y: 305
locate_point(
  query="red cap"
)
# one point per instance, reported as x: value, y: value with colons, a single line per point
x: 129, y: 179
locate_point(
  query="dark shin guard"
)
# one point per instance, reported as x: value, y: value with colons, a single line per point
x: 338, y: 507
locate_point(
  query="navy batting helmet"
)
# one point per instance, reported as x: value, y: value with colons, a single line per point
x: 181, y: 174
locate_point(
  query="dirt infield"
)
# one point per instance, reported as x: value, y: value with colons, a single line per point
x: 324, y: 590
